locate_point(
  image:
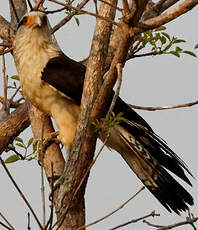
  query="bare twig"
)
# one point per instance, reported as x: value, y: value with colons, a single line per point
x: 5, y: 85
x: 69, y: 16
x: 30, y: 5
x: 159, y: 227
x: 86, y: 12
x: 96, y: 6
x: 114, y: 211
x: 5, y: 226
x: 8, y: 223
x: 164, y: 107
x: 153, y: 214
x: 14, y: 10
x: 119, y: 67
x: 42, y: 174
x: 21, y: 193
x: 28, y: 227
x: 55, y: 11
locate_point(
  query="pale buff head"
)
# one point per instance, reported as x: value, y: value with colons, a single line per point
x: 33, y: 39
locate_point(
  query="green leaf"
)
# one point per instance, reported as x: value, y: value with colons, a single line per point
x: 196, y: 46
x: 30, y: 142
x: 163, y: 40
x: 166, y: 35
x: 77, y: 21
x: 15, y: 77
x: 19, y: 139
x: 175, y: 53
x: 167, y: 47
x: 21, y: 145
x: 178, y: 41
x: 178, y: 49
x: 190, y: 53
x: 12, y: 159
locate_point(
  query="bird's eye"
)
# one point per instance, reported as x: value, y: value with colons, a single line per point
x: 22, y: 22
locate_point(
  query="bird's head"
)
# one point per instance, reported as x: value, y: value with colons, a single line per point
x: 31, y: 20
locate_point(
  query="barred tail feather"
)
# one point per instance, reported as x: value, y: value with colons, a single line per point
x: 159, y: 182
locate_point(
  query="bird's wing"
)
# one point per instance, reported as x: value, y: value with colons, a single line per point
x: 67, y: 76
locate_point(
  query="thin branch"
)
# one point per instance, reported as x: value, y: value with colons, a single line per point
x: 5, y: 85
x: 42, y: 174
x: 69, y: 16
x: 28, y: 227
x: 21, y: 193
x: 164, y: 107
x: 8, y: 223
x: 159, y: 227
x: 86, y: 12
x: 55, y: 11
x: 14, y: 10
x: 114, y: 211
x: 153, y: 214
x: 30, y: 5
x: 5, y: 226
x: 50, y: 221
x: 119, y: 68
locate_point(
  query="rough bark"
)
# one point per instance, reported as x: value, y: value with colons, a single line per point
x: 13, y: 125
x: 83, y: 147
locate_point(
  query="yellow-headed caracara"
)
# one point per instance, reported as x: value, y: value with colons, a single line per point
x: 53, y: 83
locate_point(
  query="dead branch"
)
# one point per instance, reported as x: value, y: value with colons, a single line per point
x: 114, y: 211
x: 153, y: 214
x: 159, y: 227
x: 86, y: 12
x: 21, y: 193
x: 69, y: 17
x: 164, y: 107
x: 7, y: 222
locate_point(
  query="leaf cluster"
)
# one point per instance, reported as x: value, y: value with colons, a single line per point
x: 104, y: 124
x: 162, y: 43
x: 24, y: 150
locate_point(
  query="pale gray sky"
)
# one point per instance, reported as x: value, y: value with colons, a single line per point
x: 149, y: 81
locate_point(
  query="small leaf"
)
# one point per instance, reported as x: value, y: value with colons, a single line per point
x: 12, y: 159
x: 19, y: 139
x: 15, y: 77
x: 175, y: 53
x: 163, y: 40
x: 21, y: 145
x: 167, y: 47
x: 178, y: 49
x: 30, y: 142
x: 178, y: 41
x: 196, y: 46
x: 77, y: 21
x: 190, y: 53
x: 166, y: 35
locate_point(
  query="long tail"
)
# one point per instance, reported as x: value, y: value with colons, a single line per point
x: 153, y: 175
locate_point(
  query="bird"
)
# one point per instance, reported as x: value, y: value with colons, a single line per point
x: 53, y: 83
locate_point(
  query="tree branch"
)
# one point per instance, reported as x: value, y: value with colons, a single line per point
x: 164, y: 107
